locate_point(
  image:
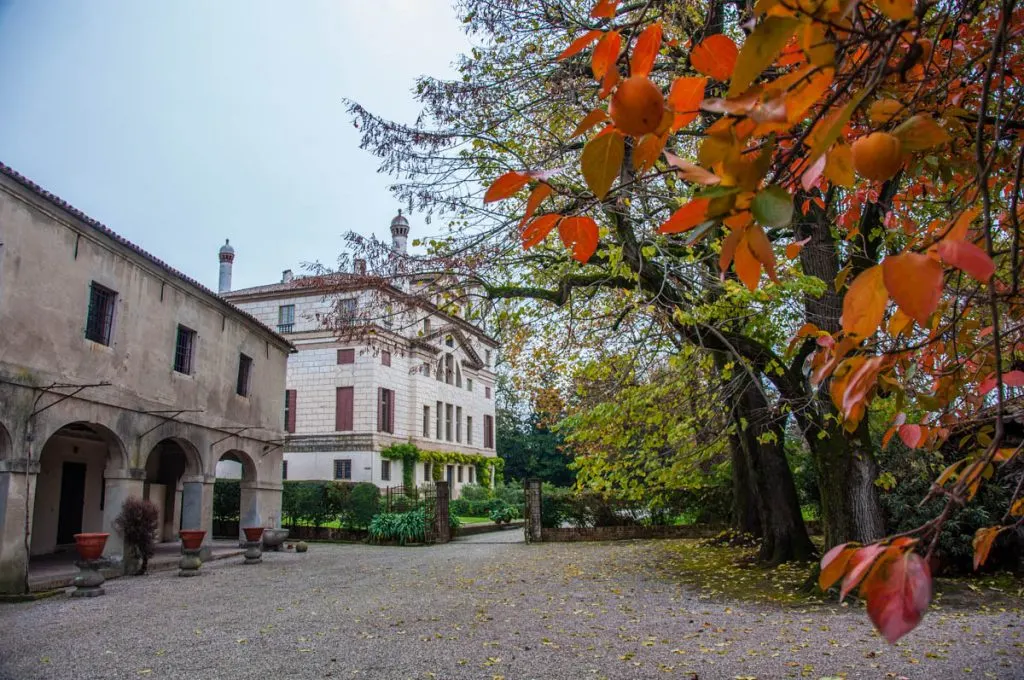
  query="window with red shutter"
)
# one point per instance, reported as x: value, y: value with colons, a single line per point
x: 343, y: 409
x: 289, y: 410
x: 346, y: 356
x: 385, y: 357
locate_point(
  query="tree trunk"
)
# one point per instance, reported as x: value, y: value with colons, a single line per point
x: 746, y: 517
x: 844, y: 462
x: 784, y: 533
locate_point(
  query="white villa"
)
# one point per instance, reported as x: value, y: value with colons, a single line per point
x: 407, y: 373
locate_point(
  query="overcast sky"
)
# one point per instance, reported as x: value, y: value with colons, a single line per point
x: 179, y: 123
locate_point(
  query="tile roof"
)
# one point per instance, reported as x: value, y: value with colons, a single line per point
x: 109, y: 233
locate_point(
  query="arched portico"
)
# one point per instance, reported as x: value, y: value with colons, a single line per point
x: 70, y: 494
x: 173, y: 468
x: 238, y: 465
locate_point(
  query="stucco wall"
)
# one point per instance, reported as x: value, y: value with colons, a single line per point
x: 47, y: 495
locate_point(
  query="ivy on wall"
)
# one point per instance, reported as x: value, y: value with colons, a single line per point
x: 410, y: 453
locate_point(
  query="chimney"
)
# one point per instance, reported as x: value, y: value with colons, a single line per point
x: 226, y: 256
x: 287, y: 276
x: 359, y: 266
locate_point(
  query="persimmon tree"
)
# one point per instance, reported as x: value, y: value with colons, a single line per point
x: 846, y: 172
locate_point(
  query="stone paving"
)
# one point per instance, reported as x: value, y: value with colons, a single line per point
x: 487, y: 606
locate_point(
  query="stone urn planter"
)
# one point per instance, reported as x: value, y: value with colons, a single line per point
x: 273, y: 538
x: 191, y: 544
x: 89, y: 581
x: 90, y: 546
x: 253, y: 553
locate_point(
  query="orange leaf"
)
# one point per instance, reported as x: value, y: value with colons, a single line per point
x: 539, y: 193
x: 715, y: 57
x: 900, y: 594
x: 1017, y: 509
x: 580, y: 235
x: 983, y: 540
x: 648, y: 150
x: 859, y: 565
x: 610, y: 80
x: 915, y: 282
x: 690, y: 172
x: 968, y: 257
x: 793, y: 249
x: 746, y: 264
x: 833, y: 565
x: 839, y: 165
x: 899, y: 322
x: 897, y: 10
x: 684, y: 98
x: 604, y: 9
x: 729, y: 250
x: 958, y: 230
x: 602, y: 160
x: 864, y: 303
x: 646, y: 50
x: 686, y: 217
x: 761, y: 247
x: 579, y: 44
x: 605, y: 54
x: 593, y: 118
x: 505, y: 186
x: 538, y: 229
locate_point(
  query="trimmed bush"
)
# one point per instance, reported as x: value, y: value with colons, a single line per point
x: 137, y: 524
x: 316, y: 503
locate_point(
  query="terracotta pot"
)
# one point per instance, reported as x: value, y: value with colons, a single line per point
x: 253, y: 534
x: 90, y: 546
x: 191, y: 539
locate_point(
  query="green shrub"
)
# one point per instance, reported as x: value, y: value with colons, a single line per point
x: 227, y: 500
x: 365, y: 504
x: 475, y: 492
x: 403, y: 527
x: 453, y: 521
x: 503, y: 513
x: 315, y: 503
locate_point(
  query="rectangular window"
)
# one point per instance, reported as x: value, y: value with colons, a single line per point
x: 244, y: 375
x: 469, y: 384
x: 285, y: 318
x: 489, y: 432
x: 469, y: 429
x: 100, y: 320
x: 184, y: 346
x: 385, y: 410
x: 344, y: 398
x: 347, y: 311
x: 449, y: 368
x: 342, y: 468
x: 289, y: 410
x: 458, y: 423
x: 385, y: 470
x: 487, y: 358
x: 448, y: 422
x: 460, y: 474
x: 284, y: 469
x: 472, y: 475
x: 385, y: 357
x: 426, y: 326
x: 426, y: 421
x: 426, y: 472
x: 346, y: 356
x: 487, y: 391
x: 438, y: 411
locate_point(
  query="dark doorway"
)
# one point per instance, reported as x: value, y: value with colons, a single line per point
x: 72, y: 501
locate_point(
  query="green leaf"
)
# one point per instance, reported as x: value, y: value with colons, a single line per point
x: 773, y: 206
x: 760, y: 50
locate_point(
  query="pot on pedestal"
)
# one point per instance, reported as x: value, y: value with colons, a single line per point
x: 191, y: 544
x: 253, y: 552
x: 89, y: 581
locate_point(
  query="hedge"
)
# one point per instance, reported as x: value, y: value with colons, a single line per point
x: 316, y: 503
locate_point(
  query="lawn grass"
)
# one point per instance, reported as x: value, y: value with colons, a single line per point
x: 474, y: 520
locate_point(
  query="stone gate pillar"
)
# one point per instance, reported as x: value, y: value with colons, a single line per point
x: 17, y: 492
x: 532, y: 526
x: 442, y: 529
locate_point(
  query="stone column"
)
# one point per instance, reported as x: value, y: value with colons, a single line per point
x: 118, y: 486
x: 17, y: 492
x: 249, y: 510
x: 197, y: 508
x: 532, y: 527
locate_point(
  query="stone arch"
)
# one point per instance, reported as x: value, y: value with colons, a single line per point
x: 75, y: 462
x: 237, y: 471
x: 245, y: 461
x: 167, y: 465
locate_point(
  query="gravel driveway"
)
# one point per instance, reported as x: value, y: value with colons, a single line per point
x: 485, y: 607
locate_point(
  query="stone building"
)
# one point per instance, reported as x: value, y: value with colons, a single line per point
x: 377, y: 364
x: 119, y: 377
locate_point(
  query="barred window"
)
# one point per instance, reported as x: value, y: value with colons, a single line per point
x: 100, y: 320
x: 342, y: 468
x: 183, y: 349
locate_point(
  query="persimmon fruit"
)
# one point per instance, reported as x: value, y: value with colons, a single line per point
x: 877, y: 156
x: 637, y: 106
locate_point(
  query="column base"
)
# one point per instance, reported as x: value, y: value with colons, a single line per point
x: 189, y: 563
x: 253, y: 554
x: 89, y: 581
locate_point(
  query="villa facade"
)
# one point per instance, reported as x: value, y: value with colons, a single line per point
x: 405, y: 372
